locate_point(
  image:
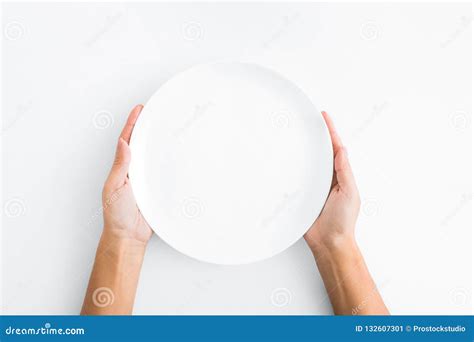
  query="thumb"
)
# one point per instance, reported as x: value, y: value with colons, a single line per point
x: 344, y: 175
x: 119, y: 171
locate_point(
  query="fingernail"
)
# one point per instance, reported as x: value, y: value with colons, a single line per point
x: 138, y: 107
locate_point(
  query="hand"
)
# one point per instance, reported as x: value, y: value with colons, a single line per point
x: 331, y: 238
x: 122, y: 218
x: 335, y: 225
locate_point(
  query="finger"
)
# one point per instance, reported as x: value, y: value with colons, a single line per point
x: 132, y: 119
x: 342, y: 167
x: 118, y: 173
x: 335, y: 139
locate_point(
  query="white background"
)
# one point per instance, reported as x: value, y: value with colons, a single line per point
x: 396, y: 79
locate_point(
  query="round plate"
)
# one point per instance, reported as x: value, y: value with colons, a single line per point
x: 231, y: 163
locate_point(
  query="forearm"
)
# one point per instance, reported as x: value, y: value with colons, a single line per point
x: 349, y: 285
x: 114, y: 279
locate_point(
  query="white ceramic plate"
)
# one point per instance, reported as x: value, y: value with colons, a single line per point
x: 231, y: 163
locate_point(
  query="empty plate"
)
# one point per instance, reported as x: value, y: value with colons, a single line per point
x: 231, y: 163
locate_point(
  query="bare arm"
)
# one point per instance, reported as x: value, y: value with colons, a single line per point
x: 349, y: 285
x: 114, y: 279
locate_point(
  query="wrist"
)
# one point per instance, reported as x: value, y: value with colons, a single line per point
x: 117, y: 266
x: 117, y: 245
x: 338, y: 246
x: 125, y: 234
